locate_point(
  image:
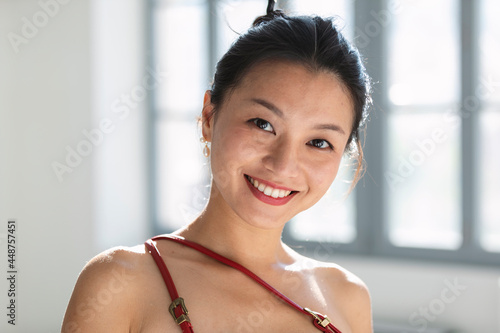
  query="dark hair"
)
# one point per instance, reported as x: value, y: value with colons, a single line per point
x: 311, y: 41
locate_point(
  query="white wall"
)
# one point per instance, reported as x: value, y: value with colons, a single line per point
x: 65, y: 80
x: 422, y: 296
x: 53, y: 86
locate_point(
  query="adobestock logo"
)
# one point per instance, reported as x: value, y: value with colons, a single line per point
x: 417, y: 157
x: 381, y: 20
x: 420, y: 319
x: 31, y: 27
x: 121, y: 107
x: 87, y: 310
x: 255, y: 319
x: 450, y: 120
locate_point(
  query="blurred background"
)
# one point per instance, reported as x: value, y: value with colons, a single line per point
x: 99, y: 147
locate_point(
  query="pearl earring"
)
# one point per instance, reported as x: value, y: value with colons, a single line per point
x: 206, y: 149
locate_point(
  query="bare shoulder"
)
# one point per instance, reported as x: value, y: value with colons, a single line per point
x: 329, y: 271
x: 350, y: 293
x: 105, y: 293
x: 337, y: 274
x: 344, y: 289
x: 120, y: 257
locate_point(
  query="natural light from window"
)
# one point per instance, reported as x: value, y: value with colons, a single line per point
x: 489, y: 137
x: 422, y: 177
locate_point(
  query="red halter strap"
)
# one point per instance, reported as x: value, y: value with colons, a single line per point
x: 320, y: 321
x: 177, y: 308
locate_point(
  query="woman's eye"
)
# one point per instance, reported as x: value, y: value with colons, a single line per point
x: 320, y: 143
x: 263, y: 124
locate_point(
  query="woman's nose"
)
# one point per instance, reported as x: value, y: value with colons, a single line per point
x: 283, y: 158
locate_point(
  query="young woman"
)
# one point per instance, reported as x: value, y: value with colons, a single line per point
x: 287, y: 102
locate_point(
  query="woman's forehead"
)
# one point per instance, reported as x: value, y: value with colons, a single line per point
x: 280, y: 73
x: 285, y: 80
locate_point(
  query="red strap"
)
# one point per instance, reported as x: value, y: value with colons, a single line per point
x: 320, y: 321
x: 177, y: 308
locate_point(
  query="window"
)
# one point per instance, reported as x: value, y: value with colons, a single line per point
x: 488, y: 93
x: 176, y: 105
x: 423, y: 200
x: 432, y: 182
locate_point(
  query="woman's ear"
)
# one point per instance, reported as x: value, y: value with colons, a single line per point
x: 207, y: 116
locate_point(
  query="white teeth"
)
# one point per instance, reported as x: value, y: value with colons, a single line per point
x: 268, y: 190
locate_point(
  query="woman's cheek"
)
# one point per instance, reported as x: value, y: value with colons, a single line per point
x: 221, y: 175
x: 232, y: 151
x: 323, y: 173
x: 240, y: 144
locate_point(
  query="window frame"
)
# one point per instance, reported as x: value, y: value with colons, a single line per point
x: 372, y: 237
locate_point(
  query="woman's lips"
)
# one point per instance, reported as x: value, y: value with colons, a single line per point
x: 269, y: 193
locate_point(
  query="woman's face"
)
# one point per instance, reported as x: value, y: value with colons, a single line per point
x: 277, y: 142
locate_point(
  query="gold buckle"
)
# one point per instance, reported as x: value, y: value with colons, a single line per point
x: 322, y: 321
x: 183, y: 317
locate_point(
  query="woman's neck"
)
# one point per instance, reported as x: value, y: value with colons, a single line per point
x: 221, y: 230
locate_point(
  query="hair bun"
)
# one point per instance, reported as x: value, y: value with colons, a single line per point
x: 270, y: 15
x: 270, y: 6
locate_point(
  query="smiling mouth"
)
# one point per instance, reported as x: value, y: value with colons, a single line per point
x: 269, y: 190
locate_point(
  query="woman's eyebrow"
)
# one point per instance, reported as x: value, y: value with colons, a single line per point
x: 332, y: 127
x: 268, y: 105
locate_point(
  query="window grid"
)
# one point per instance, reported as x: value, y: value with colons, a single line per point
x: 372, y: 236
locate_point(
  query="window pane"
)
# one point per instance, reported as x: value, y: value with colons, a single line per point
x: 489, y: 179
x: 423, y: 180
x: 423, y: 167
x: 182, y: 176
x: 424, y: 53
x: 181, y: 49
x: 490, y: 49
x: 332, y: 219
x: 489, y: 124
